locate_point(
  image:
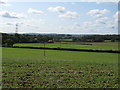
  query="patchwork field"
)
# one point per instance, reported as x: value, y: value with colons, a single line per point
x: 29, y: 68
x: 74, y: 45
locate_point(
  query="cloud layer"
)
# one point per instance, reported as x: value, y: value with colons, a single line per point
x: 100, y: 22
x: 69, y: 14
x: 7, y: 14
x: 3, y: 3
x: 63, y: 13
x: 58, y: 9
x: 34, y: 11
x: 98, y: 13
x: 117, y: 16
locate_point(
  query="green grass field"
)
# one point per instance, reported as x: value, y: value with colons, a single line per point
x: 94, y: 46
x: 28, y: 68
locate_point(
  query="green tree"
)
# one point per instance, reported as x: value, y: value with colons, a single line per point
x: 9, y: 42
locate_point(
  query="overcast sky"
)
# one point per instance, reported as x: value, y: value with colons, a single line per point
x: 59, y: 17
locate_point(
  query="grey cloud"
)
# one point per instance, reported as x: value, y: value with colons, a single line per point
x: 7, y: 14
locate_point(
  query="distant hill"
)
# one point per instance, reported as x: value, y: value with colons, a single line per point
x: 52, y: 34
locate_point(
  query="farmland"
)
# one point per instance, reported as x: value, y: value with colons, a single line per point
x: 75, y: 45
x: 29, y: 68
x: 59, y: 44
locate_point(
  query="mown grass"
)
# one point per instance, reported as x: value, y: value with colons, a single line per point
x: 94, y: 46
x: 28, y: 68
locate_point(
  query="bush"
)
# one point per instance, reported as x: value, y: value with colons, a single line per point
x: 8, y: 42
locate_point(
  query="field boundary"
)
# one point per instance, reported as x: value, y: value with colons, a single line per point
x: 68, y: 49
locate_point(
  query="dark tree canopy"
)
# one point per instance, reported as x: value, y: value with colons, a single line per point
x: 10, y: 39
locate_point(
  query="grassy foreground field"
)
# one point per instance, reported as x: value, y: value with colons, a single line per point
x: 73, y: 45
x: 28, y: 68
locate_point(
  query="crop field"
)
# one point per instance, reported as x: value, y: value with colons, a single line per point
x: 94, y: 46
x: 29, y: 68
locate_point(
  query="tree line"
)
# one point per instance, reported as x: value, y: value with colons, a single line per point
x: 10, y: 39
x: 97, y: 38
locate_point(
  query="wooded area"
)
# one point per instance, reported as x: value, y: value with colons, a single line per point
x: 10, y: 39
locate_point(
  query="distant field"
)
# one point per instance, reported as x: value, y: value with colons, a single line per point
x: 73, y: 45
x: 59, y: 69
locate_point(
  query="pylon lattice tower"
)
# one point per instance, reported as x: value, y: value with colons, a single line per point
x: 16, y: 31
